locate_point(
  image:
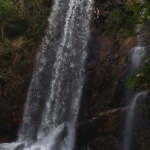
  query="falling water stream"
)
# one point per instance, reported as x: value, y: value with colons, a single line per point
x: 53, y: 98
x: 137, y: 60
x: 129, y: 120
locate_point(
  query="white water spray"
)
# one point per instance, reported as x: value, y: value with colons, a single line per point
x: 54, y: 94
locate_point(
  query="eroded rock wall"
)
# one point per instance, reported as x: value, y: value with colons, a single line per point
x: 106, y: 99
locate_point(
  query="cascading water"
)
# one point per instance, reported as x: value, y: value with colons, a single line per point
x: 129, y: 120
x: 55, y: 89
x: 137, y: 60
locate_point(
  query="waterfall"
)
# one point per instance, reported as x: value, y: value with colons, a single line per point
x: 129, y: 120
x: 53, y: 98
x: 137, y: 60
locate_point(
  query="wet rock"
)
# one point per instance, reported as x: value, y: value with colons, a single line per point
x: 119, y: 96
x: 108, y: 130
x: 86, y: 132
x: 143, y: 138
x: 107, y: 142
x: 20, y: 147
x: 100, y: 130
x: 112, y: 125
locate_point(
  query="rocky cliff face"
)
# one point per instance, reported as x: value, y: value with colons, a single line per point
x: 107, y: 68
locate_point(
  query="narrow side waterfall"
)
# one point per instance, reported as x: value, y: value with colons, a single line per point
x: 137, y: 60
x: 129, y: 120
x: 53, y: 98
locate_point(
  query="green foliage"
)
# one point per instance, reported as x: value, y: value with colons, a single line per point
x: 36, y: 24
x: 130, y: 17
x: 9, y: 82
x: 35, y: 14
x: 16, y: 28
x: 139, y: 14
x: 141, y: 79
x: 133, y: 9
x: 127, y: 32
x: 124, y: 17
x: 145, y: 13
x: 5, y: 46
x: 27, y: 21
x: 117, y: 17
x: 8, y: 10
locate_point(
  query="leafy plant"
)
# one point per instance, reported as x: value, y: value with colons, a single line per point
x: 28, y: 22
x: 36, y: 13
x: 117, y: 17
x: 141, y: 79
x: 8, y: 11
x: 16, y: 28
x: 133, y: 10
x: 130, y: 17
